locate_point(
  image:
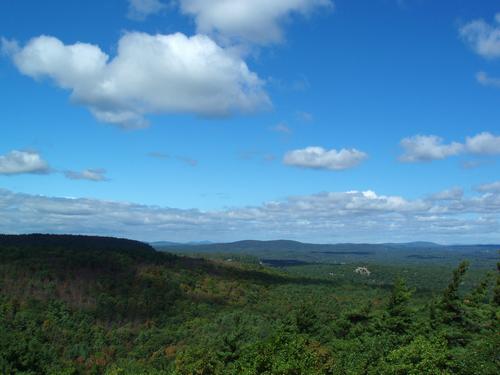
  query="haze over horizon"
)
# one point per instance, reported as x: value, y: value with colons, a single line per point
x: 323, y: 121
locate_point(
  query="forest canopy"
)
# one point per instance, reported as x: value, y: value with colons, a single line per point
x: 93, y: 305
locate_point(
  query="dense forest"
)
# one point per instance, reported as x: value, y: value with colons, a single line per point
x: 93, y: 305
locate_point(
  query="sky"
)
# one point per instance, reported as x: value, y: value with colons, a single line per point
x: 324, y: 121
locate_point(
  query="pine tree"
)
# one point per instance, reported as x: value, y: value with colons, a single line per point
x: 480, y: 293
x: 451, y: 303
x: 398, y: 317
x: 496, y: 292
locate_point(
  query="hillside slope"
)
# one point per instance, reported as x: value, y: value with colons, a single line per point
x: 90, y: 305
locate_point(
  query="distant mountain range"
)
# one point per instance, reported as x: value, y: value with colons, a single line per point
x: 170, y: 243
x: 289, y: 245
x: 287, y: 250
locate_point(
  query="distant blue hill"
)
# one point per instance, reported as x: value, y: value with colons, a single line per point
x: 415, y: 244
x: 290, y: 245
x: 288, y: 250
x: 172, y: 244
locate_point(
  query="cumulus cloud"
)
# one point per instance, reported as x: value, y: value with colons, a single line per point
x: 483, y: 144
x: 319, y: 158
x: 426, y: 148
x: 455, y: 193
x: 330, y: 217
x: 149, y: 74
x: 140, y: 9
x: 493, y: 187
x: 87, y: 174
x: 253, y: 21
x: 431, y: 147
x: 484, y: 38
x: 20, y: 162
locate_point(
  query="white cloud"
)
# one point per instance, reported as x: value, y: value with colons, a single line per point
x: 486, y: 80
x: 20, y: 162
x: 8, y: 47
x: 483, y: 144
x: 431, y: 147
x: 281, y: 128
x: 450, y: 194
x: 483, y: 37
x: 140, y: 9
x: 475, y: 163
x: 150, y: 74
x: 254, y: 21
x: 87, y: 174
x: 329, y: 217
x: 426, y: 148
x: 305, y: 116
x: 319, y: 158
x: 493, y: 187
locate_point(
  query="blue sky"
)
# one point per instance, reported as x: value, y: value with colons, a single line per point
x: 318, y: 120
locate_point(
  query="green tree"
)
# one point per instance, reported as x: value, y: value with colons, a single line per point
x: 421, y: 356
x: 399, y: 314
x: 306, y: 318
x: 451, y: 302
x: 496, y: 292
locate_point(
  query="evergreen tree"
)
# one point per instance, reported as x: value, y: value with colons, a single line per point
x: 451, y: 303
x: 480, y: 293
x: 496, y: 292
x: 305, y: 318
x: 398, y: 317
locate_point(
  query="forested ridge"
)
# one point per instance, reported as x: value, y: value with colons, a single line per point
x: 93, y: 305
